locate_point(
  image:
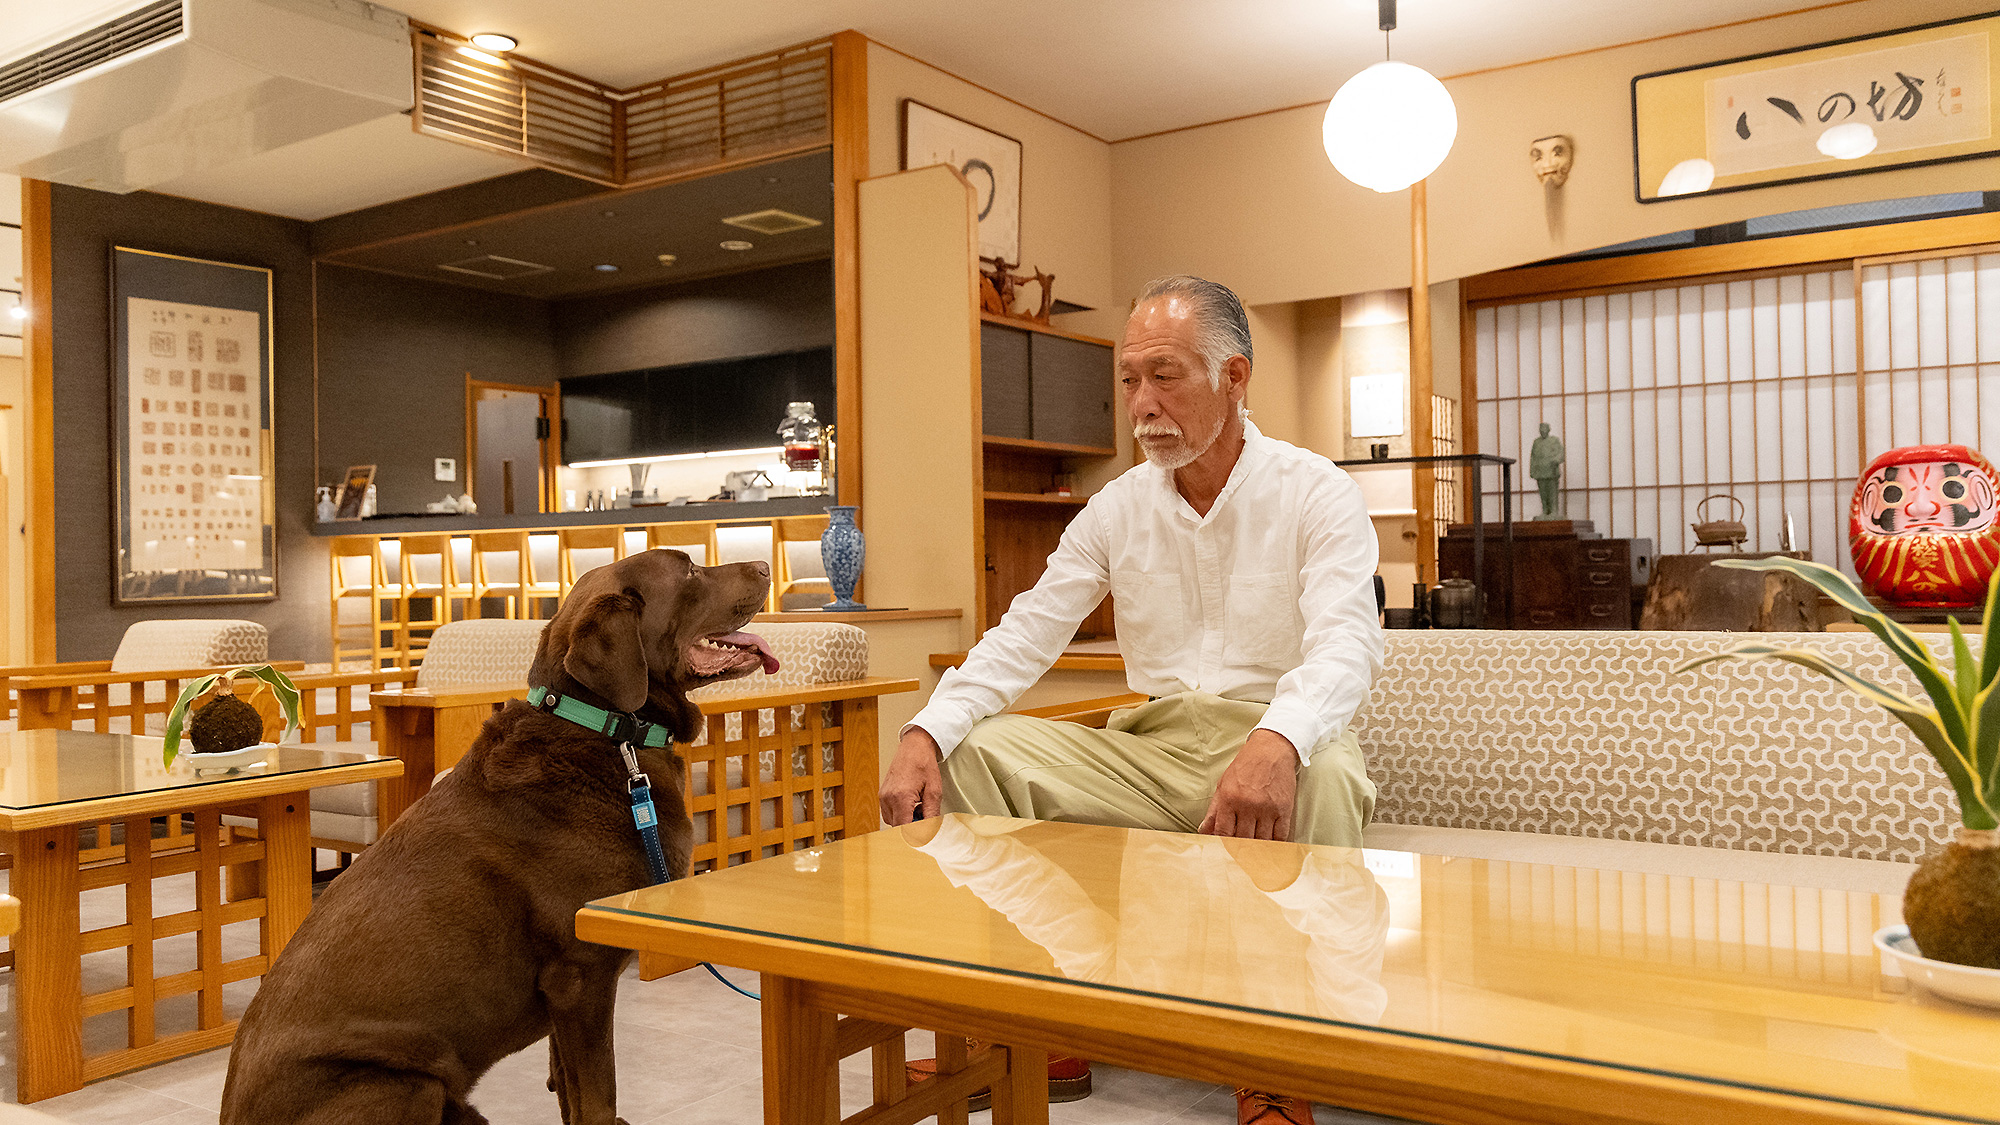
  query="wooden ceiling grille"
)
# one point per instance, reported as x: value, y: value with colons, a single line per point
x: 706, y: 121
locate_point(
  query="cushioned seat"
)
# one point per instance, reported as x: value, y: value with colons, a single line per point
x: 172, y: 645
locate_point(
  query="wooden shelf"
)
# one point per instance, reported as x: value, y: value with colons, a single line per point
x: 1051, y: 448
x: 1046, y: 330
x: 1037, y: 498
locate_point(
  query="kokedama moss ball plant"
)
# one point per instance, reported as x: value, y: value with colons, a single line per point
x: 226, y: 722
x: 1953, y: 901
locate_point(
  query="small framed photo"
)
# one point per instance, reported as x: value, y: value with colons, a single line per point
x: 990, y: 161
x: 353, y: 491
x: 192, y: 480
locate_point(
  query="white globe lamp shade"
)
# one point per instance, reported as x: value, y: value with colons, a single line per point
x: 1390, y: 126
x: 1688, y: 178
x: 1851, y: 141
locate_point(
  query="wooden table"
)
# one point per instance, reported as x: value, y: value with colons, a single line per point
x: 1431, y: 987
x: 430, y: 731
x: 54, y: 781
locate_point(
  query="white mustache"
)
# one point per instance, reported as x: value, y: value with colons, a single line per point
x: 1156, y: 430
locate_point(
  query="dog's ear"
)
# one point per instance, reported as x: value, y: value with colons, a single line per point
x: 605, y: 653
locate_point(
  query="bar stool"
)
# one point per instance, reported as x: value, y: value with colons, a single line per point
x: 696, y: 537
x: 541, y: 575
x: 499, y: 564
x: 428, y: 574
x: 583, y: 549
x: 796, y: 569
x: 360, y: 590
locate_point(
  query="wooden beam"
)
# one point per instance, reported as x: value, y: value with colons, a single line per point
x: 1422, y: 477
x: 38, y: 422
x: 850, y: 167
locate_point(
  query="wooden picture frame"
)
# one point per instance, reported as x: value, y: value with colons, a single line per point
x: 1921, y: 95
x: 353, y: 491
x: 194, y: 517
x: 990, y: 161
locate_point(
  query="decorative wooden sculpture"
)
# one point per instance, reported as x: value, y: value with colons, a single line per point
x: 997, y: 289
x: 1921, y: 527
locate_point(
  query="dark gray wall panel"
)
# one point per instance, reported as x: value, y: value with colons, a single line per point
x: 1072, y: 391
x: 1003, y: 381
x: 786, y: 309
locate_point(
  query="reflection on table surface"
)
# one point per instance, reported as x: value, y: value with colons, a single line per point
x: 1723, y: 980
x: 51, y: 767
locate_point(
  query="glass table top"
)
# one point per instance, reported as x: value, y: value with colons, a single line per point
x: 1771, y: 986
x: 39, y: 768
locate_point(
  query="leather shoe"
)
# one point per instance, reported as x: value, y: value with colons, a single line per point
x: 1254, y: 1107
x: 1069, y: 1080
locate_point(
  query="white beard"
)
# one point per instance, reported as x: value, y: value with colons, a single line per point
x: 1168, y: 447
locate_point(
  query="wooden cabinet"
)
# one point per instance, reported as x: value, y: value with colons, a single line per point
x: 1565, y: 575
x: 1046, y: 404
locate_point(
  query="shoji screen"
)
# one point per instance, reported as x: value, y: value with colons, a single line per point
x: 1665, y: 395
x: 1930, y: 333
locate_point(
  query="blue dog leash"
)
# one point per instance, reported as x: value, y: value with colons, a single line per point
x: 626, y: 727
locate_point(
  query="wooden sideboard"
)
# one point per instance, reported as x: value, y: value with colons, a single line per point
x: 1565, y: 575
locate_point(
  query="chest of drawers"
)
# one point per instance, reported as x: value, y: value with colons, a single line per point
x: 1565, y: 576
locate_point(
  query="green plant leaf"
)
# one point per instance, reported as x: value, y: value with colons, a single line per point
x: 282, y: 687
x: 1989, y: 654
x: 1914, y: 654
x: 177, y: 715
x: 1986, y: 747
x: 1965, y: 677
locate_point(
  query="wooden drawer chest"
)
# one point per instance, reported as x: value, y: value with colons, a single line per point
x: 1565, y: 575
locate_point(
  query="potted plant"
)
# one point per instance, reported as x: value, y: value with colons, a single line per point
x: 226, y: 724
x: 1952, y: 904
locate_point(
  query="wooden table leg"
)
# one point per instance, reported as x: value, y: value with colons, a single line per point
x: 801, y: 1076
x: 284, y: 823
x: 48, y: 964
x: 1022, y: 1098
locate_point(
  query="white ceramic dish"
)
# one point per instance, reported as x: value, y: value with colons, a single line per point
x: 1963, y: 983
x: 234, y: 759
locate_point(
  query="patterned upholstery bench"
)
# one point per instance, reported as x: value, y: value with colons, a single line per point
x: 1591, y: 734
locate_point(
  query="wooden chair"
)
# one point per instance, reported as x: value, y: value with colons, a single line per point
x: 696, y: 537
x: 798, y: 578
x: 427, y: 576
x: 361, y: 588
x: 515, y: 567
x: 584, y: 549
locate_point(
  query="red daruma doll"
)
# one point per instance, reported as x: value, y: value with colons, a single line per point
x: 1922, y: 526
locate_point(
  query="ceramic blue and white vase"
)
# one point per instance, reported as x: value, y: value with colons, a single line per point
x: 841, y: 551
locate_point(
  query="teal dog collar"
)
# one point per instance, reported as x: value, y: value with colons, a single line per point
x: 615, y: 725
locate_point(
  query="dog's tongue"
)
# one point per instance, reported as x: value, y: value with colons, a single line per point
x: 752, y: 640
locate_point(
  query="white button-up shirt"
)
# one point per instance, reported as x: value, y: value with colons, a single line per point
x: 1269, y: 598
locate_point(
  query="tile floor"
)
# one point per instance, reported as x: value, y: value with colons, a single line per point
x: 688, y: 1054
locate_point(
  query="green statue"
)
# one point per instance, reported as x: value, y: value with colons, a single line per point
x: 1545, y: 464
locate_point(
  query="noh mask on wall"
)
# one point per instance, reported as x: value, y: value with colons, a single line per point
x: 1921, y: 527
x: 1552, y: 157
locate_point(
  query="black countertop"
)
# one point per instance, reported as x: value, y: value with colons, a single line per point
x: 722, y: 510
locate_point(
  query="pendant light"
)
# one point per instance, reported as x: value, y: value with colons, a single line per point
x: 1392, y: 124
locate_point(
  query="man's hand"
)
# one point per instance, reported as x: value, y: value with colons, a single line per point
x: 1254, y: 798
x: 914, y: 781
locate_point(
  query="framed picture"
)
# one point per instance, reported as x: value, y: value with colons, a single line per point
x: 353, y: 491
x: 1923, y: 95
x: 989, y: 160
x: 192, y: 466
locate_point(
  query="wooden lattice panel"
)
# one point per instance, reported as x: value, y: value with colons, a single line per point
x: 514, y: 104
x: 766, y: 782
x: 714, y: 118
x: 206, y: 854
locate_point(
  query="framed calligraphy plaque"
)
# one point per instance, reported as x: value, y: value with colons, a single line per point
x: 989, y: 161
x: 1918, y: 96
x: 192, y: 510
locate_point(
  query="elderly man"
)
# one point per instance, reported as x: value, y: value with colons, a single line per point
x: 1242, y: 571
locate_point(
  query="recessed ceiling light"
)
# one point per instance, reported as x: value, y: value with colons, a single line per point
x: 494, y: 41
x: 472, y: 242
x: 608, y: 214
x: 605, y: 267
x: 667, y: 259
x: 18, y: 312
x: 735, y: 244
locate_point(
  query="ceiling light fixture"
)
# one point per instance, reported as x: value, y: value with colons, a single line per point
x: 494, y: 41
x: 1392, y: 124
x: 735, y: 244
x: 605, y: 267
x: 18, y: 312
x: 1689, y: 177
x: 1851, y: 141
x: 666, y: 259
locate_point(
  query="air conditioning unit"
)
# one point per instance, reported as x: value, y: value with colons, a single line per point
x: 139, y: 93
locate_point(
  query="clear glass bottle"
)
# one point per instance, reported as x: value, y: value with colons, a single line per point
x: 801, y: 434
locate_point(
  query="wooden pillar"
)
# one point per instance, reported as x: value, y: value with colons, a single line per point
x: 849, y: 112
x: 1422, y: 482
x: 38, y: 425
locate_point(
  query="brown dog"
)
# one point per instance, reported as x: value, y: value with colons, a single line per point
x: 451, y: 943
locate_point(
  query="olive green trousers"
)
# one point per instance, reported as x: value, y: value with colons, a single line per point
x: 1152, y: 766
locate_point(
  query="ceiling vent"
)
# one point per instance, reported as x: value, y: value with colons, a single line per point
x: 126, y: 95
x: 493, y: 267
x: 772, y: 221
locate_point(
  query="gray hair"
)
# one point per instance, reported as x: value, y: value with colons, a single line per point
x: 1221, y: 328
